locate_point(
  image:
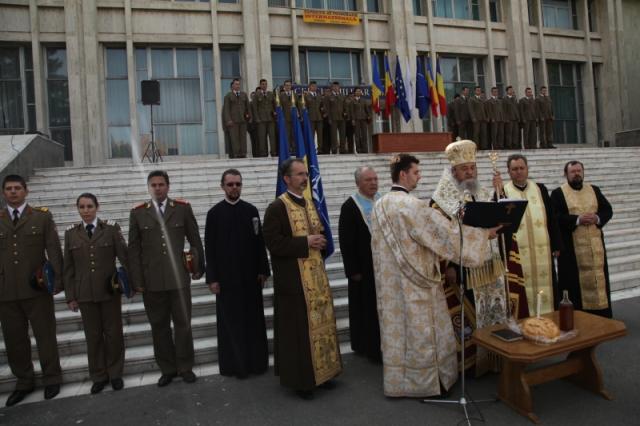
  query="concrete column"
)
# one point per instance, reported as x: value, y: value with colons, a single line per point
x: 367, y: 45
x: 621, y: 53
x: 251, y: 41
x: 588, y: 89
x: 295, y: 48
x: 264, y: 41
x: 136, y: 147
x: 543, y: 56
x: 519, y: 65
x: 216, y: 78
x: 93, y: 95
x: 490, y: 79
x: 38, y: 71
x: 77, y: 89
x: 612, y: 112
x: 435, y: 124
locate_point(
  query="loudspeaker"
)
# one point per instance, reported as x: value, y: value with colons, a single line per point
x: 150, y: 92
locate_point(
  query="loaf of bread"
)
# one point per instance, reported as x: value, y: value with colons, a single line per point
x: 536, y: 328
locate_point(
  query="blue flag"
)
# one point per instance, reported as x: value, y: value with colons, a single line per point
x: 401, y: 93
x: 423, y: 98
x: 283, y: 150
x: 315, y: 181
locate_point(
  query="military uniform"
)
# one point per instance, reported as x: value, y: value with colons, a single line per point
x: 262, y: 111
x: 156, y: 245
x: 452, y: 125
x: 22, y: 252
x: 335, y: 112
x: 479, y: 121
x: 544, y: 107
x: 89, y: 265
x: 236, y: 110
x: 511, y: 122
x: 287, y: 104
x: 461, y: 112
x: 495, y: 116
x: 361, y: 115
x: 529, y: 117
x: 315, y: 109
x: 349, y: 128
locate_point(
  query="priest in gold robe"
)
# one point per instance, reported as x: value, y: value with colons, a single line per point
x: 582, y: 211
x: 538, y: 237
x: 408, y: 240
x: 484, y: 283
x: 306, y: 350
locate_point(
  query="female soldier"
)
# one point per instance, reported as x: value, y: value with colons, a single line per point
x: 90, y: 251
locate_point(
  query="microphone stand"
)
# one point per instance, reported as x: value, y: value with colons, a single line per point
x: 465, y: 398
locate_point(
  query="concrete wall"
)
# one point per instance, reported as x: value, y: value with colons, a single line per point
x: 631, y: 60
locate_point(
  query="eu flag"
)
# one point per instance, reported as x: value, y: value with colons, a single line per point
x: 422, y: 90
x: 401, y: 92
x: 315, y: 182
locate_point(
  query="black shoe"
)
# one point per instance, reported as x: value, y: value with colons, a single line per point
x: 98, y: 386
x: 117, y: 384
x: 305, y: 394
x: 552, y: 147
x: 17, y: 396
x: 50, y: 391
x: 188, y: 377
x: 329, y: 384
x: 165, y: 379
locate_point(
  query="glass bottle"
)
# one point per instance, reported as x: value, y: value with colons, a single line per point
x: 566, y: 312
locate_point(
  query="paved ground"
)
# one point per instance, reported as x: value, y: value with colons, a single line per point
x: 357, y: 399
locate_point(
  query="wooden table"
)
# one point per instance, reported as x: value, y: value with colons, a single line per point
x: 411, y: 142
x: 580, y: 366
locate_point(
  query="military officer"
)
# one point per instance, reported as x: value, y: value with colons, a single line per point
x: 461, y: 112
x: 286, y: 103
x: 511, y: 120
x: 335, y: 112
x: 528, y: 117
x: 495, y: 116
x: 315, y: 109
x: 478, y: 119
x: 236, y: 113
x: 28, y: 237
x: 361, y: 117
x: 544, y: 107
x: 262, y: 111
x: 157, y: 230
x: 90, y: 251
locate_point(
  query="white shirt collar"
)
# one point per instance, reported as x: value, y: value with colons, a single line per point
x: 233, y: 203
x: 164, y: 205
x: 94, y: 223
x: 299, y: 197
x: 20, y: 209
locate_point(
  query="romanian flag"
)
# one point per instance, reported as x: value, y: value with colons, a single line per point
x: 389, y: 92
x: 376, y: 86
x: 440, y: 90
x: 432, y: 89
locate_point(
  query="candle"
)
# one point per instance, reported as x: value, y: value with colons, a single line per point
x: 539, y: 303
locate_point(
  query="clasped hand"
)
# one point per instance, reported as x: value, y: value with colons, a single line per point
x: 317, y: 242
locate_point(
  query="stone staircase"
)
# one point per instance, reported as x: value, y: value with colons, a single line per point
x: 119, y: 186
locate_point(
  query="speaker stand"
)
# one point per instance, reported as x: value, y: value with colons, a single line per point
x: 151, y: 151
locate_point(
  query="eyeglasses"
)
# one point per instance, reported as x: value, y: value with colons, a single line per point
x: 230, y: 184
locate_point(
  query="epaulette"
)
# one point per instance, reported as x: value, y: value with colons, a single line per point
x: 181, y: 201
x: 140, y: 205
x: 41, y: 209
x: 70, y: 227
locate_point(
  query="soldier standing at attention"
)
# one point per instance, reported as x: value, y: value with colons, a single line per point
x: 335, y: 111
x: 361, y: 115
x: 90, y: 251
x: 262, y: 111
x: 511, y: 120
x: 157, y: 231
x: 28, y: 237
x: 313, y: 101
x: 235, y: 113
x: 479, y: 119
x: 529, y: 117
x: 544, y: 107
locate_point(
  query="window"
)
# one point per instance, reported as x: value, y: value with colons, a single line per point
x: 596, y: 89
x: 326, y: 66
x: 560, y: 14
x: 229, y: 66
x: 17, y: 111
x: 593, y: 17
x: 495, y: 14
x: 498, y: 64
x: 186, y: 90
x: 457, y: 9
x: 565, y: 89
x: 280, y: 66
x: 117, y: 98
x: 58, y: 98
x: 461, y: 71
x: 373, y: 6
x: 327, y: 4
x: 533, y: 12
x: 278, y: 3
x: 418, y: 8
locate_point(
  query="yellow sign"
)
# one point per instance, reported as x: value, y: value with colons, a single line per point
x: 331, y: 17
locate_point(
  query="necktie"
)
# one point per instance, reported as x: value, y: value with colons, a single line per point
x: 16, y: 216
x: 89, y: 229
x: 160, y: 209
x: 237, y: 95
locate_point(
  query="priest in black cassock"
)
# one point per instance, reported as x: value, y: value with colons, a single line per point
x: 582, y: 212
x: 237, y: 268
x: 355, y: 246
x: 305, y: 348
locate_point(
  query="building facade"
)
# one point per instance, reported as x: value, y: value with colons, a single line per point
x: 72, y: 68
